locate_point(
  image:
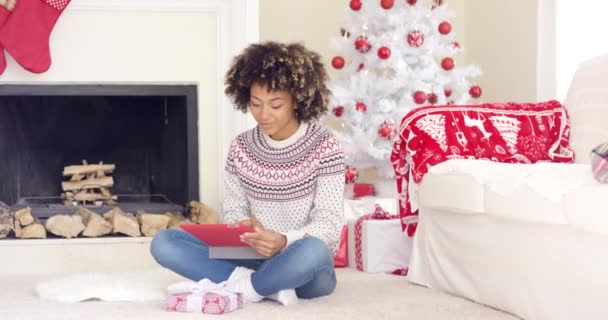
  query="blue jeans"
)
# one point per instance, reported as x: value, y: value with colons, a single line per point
x: 306, y: 265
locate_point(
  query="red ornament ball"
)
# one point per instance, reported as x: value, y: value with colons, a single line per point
x: 447, y: 92
x: 350, y: 174
x: 411, y: 2
x: 475, y: 91
x: 444, y: 27
x: 415, y: 38
x: 387, y: 130
x: 432, y: 98
x: 337, y: 62
x: 355, y: 5
x: 338, y: 111
x: 361, y: 65
x: 387, y: 4
x: 455, y: 45
x: 362, y: 44
x: 419, y: 97
x: 360, y: 106
x: 384, y: 53
x: 447, y: 64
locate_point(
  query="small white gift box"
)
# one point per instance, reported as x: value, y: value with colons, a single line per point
x: 380, y: 243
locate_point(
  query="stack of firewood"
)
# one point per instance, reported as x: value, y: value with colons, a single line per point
x: 87, y: 223
x: 88, y: 183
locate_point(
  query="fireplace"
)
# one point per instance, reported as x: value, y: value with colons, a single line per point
x: 148, y: 131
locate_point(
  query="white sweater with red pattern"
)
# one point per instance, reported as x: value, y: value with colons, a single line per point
x: 293, y: 186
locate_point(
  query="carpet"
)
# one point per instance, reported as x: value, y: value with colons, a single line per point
x: 358, y: 296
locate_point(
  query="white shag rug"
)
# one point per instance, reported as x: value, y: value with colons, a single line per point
x: 358, y: 296
x: 109, y: 287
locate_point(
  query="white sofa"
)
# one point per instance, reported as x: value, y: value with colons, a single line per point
x: 531, y: 240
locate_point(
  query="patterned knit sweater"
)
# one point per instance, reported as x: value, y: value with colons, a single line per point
x: 293, y: 186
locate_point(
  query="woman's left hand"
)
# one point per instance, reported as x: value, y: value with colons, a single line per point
x: 265, y: 241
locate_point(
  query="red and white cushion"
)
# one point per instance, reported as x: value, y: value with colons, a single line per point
x: 506, y: 132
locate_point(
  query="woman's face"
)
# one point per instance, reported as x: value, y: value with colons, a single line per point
x: 274, y: 111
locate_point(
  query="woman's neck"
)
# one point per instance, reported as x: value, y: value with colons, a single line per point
x: 287, y: 131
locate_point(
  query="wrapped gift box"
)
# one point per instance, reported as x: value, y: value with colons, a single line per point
x: 341, y: 256
x: 204, y: 303
x: 361, y: 190
x: 384, y: 246
x: 203, y: 296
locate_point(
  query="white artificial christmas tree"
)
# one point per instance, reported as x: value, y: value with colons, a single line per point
x: 394, y: 56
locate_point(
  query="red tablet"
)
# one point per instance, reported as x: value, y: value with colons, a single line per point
x: 219, y: 235
x: 223, y: 240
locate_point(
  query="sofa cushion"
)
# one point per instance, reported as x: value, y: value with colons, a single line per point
x: 542, y: 192
x: 587, y: 104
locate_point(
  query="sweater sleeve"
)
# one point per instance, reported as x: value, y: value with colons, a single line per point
x: 326, y: 217
x: 235, y: 206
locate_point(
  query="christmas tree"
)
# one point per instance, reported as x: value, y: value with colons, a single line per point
x: 394, y: 56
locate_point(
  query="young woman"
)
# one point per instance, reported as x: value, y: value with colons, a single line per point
x: 284, y: 178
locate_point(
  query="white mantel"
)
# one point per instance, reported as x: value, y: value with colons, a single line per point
x: 152, y: 41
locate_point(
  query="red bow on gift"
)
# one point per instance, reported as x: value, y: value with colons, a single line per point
x: 381, y: 214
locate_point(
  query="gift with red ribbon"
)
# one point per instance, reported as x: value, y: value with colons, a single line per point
x: 379, y: 243
x: 361, y: 190
x: 341, y: 256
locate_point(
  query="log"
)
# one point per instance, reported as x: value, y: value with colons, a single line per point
x: 176, y: 220
x: 110, y: 214
x: 109, y: 198
x: 67, y: 226
x: 123, y: 222
x: 86, y: 169
x: 95, y: 224
x: 151, y: 223
x: 6, y: 220
x: 76, y: 177
x: 82, y: 196
x: 87, y: 184
x: 202, y: 214
x: 24, y: 216
x: 100, y: 172
x: 34, y: 231
x: 105, y: 192
x: 17, y: 228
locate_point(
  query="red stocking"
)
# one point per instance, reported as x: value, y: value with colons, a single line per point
x: 25, y: 35
x: 5, y: 10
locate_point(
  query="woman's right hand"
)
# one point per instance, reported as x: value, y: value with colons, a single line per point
x: 251, y: 223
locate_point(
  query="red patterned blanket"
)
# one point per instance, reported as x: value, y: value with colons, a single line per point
x: 507, y: 132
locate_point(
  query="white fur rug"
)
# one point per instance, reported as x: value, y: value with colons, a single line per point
x: 110, y: 287
x: 358, y: 296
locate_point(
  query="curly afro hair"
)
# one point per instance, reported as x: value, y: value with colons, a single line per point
x: 278, y: 66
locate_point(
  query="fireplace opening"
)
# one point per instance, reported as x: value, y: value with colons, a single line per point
x: 149, y: 132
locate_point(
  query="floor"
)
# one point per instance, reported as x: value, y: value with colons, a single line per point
x: 358, y: 296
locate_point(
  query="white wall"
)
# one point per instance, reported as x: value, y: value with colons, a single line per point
x: 502, y: 39
x: 311, y: 22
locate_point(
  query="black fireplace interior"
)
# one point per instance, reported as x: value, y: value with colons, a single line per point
x: 149, y: 133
